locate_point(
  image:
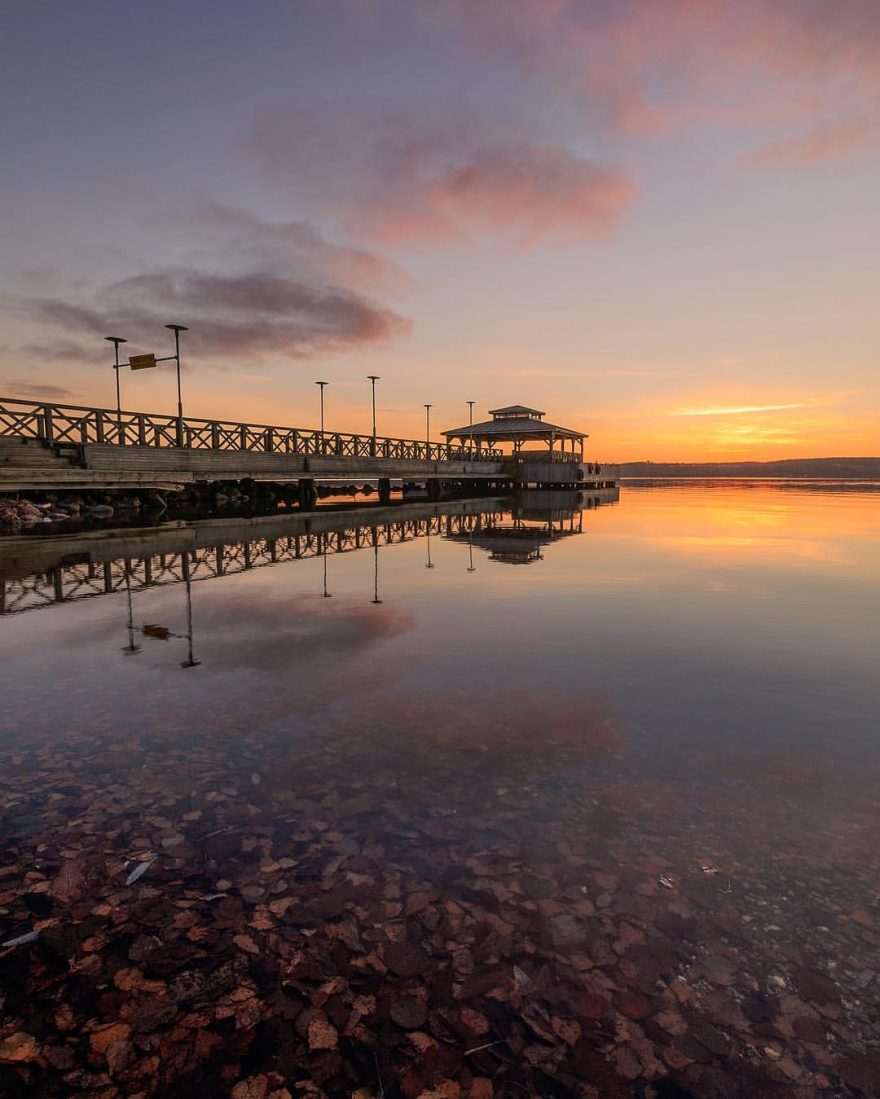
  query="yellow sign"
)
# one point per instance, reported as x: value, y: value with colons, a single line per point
x: 142, y: 362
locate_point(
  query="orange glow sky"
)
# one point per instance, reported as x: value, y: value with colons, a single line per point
x: 658, y: 221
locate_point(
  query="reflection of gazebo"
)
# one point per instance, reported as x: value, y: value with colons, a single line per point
x: 519, y: 537
x: 517, y: 424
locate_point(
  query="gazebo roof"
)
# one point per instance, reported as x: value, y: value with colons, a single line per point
x: 513, y: 428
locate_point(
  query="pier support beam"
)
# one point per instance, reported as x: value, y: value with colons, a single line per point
x: 384, y: 489
x: 306, y: 494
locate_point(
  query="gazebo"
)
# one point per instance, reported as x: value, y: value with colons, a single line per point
x: 518, y: 425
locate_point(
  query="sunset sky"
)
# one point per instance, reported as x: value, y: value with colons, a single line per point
x: 659, y: 220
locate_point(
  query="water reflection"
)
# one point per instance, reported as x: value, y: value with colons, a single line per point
x: 42, y: 572
x: 604, y: 826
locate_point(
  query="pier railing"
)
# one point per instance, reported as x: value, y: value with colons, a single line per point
x: 71, y: 424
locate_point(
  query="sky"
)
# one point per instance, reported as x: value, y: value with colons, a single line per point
x: 656, y: 220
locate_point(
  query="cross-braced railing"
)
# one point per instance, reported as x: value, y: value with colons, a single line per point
x: 71, y: 424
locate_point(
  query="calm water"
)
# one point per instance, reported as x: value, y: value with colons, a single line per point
x: 483, y: 797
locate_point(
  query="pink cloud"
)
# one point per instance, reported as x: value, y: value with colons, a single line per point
x: 636, y: 68
x: 404, y: 179
x: 811, y: 147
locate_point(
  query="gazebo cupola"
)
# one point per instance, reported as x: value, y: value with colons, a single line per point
x: 516, y: 412
x: 517, y: 424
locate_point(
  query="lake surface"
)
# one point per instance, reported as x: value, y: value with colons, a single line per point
x: 479, y: 798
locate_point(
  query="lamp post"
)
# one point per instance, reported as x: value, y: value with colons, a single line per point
x: 373, y: 378
x: 470, y: 405
x: 322, y: 384
x: 428, y: 427
x: 116, y: 341
x: 177, y: 329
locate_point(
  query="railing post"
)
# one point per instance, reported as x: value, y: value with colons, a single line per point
x: 215, y: 436
x: 99, y: 425
x: 242, y: 437
x: 270, y: 446
x: 179, y: 432
x: 48, y: 432
x: 142, y: 430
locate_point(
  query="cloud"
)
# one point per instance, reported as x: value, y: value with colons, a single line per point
x: 738, y: 410
x: 38, y: 391
x: 415, y: 179
x: 741, y: 410
x: 261, y: 288
x: 810, y: 68
x: 237, y: 235
x: 811, y: 147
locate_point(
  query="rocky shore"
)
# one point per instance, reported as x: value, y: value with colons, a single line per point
x: 25, y: 511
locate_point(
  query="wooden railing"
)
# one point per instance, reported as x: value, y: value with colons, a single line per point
x: 59, y: 424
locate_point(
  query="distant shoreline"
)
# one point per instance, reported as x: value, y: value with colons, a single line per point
x: 838, y: 469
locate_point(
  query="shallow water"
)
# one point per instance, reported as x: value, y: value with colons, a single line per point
x: 594, y: 789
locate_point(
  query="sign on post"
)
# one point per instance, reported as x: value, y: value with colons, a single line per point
x: 142, y: 362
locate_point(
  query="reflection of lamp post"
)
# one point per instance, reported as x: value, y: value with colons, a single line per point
x: 429, y: 564
x: 471, y: 567
x: 375, y: 600
x: 130, y: 649
x: 116, y: 341
x: 162, y: 633
x: 177, y: 329
x: 322, y: 384
x: 190, y: 662
x: 325, y: 593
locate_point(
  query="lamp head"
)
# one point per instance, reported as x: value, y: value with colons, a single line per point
x: 177, y: 327
x: 115, y: 340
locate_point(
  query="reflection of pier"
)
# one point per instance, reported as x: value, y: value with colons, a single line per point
x: 38, y: 572
x: 46, y: 571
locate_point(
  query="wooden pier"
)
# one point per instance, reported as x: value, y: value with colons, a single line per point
x: 53, y: 447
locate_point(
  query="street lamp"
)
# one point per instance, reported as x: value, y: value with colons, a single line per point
x: 373, y: 379
x: 428, y: 425
x: 322, y: 384
x: 470, y: 405
x: 177, y: 329
x: 116, y: 341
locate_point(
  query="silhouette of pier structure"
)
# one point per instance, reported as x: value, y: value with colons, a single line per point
x: 53, y: 447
